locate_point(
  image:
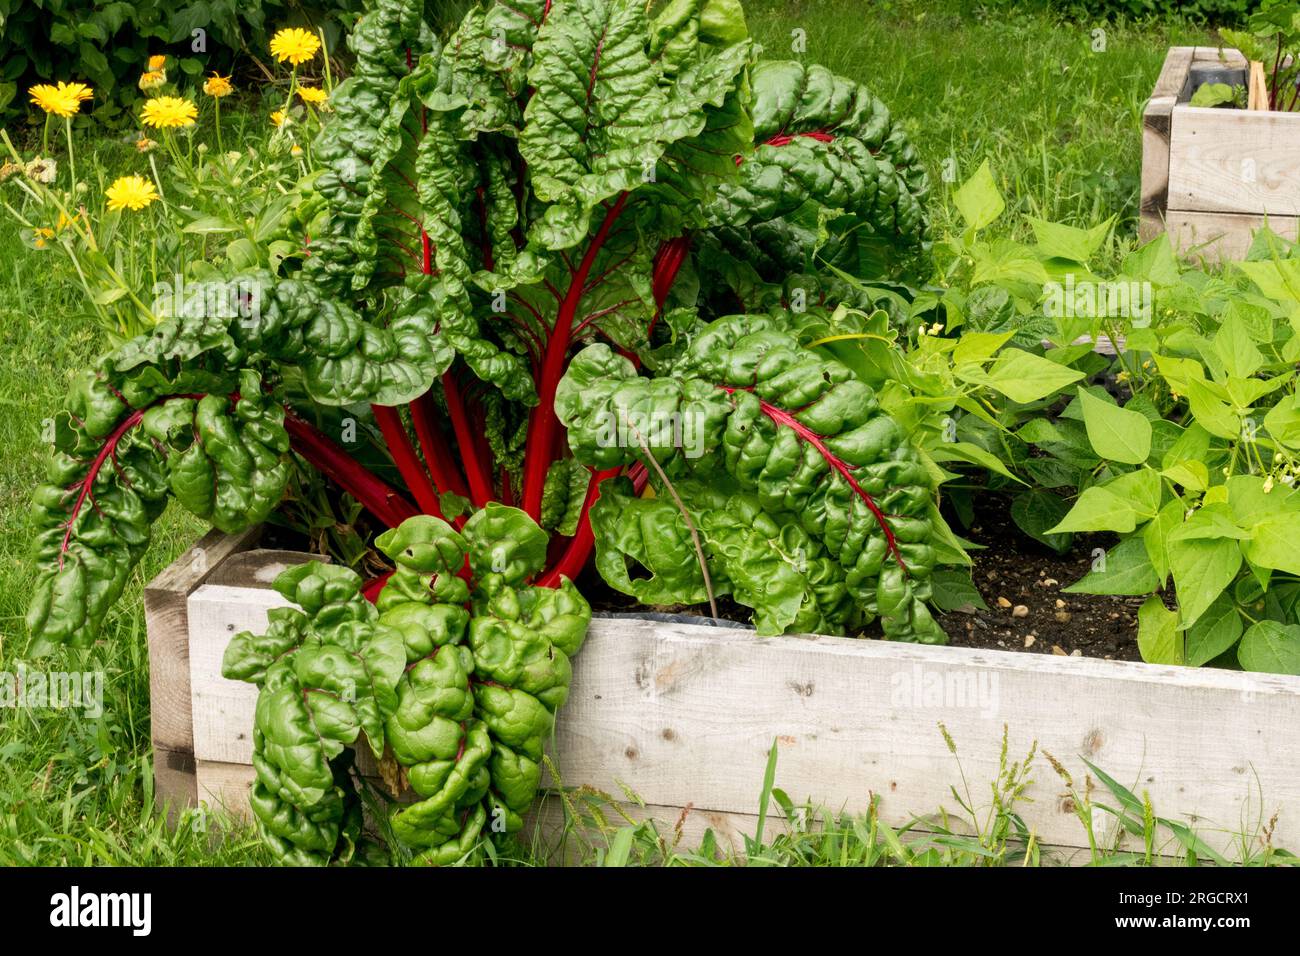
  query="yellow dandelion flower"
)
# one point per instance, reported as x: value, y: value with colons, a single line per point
x: 63, y: 100
x: 169, y: 112
x: 130, y: 192
x: 146, y: 145
x: 313, y: 95
x: 157, y: 62
x: 278, y: 118
x: 64, y: 222
x: 218, y: 86
x: 152, y: 79
x: 294, y: 45
x: 295, y: 150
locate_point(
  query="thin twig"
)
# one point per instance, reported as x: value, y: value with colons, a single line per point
x: 686, y: 516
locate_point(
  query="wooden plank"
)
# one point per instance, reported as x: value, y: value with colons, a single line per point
x: 1219, y: 56
x: 686, y: 714
x: 259, y: 567
x: 681, y: 713
x: 1221, y: 236
x: 167, y: 634
x: 174, y: 783
x: 1256, y: 87
x: 223, y: 709
x: 1156, y: 119
x: 1237, y: 161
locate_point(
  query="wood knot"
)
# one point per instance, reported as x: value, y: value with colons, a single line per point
x: 803, y: 690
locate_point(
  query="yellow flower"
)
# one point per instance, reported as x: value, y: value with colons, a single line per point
x: 41, y: 236
x: 313, y: 95
x: 295, y: 150
x: 152, y: 79
x: 130, y: 192
x: 218, y: 86
x: 278, y: 118
x: 62, y: 100
x: 64, y: 222
x: 294, y: 45
x: 169, y: 112
x: 146, y: 145
x: 157, y: 62
x: 9, y: 169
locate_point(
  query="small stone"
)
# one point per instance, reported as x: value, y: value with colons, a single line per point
x: 1062, y: 617
x: 1050, y: 582
x: 1020, y: 611
x: 1059, y: 651
x: 1060, y: 603
x: 1076, y: 653
x: 1003, y: 602
x: 992, y: 575
x: 1029, y: 640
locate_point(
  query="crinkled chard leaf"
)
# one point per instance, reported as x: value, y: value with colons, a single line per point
x: 462, y: 700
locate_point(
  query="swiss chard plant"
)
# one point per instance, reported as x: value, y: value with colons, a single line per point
x: 452, y: 677
x: 553, y: 175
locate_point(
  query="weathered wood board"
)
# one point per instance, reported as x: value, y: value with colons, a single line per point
x: 167, y: 634
x: 683, y: 714
x: 1211, y: 177
x: 1234, y: 161
x: 1222, y: 236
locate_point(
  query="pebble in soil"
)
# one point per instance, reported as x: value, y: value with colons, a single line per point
x: 1022, y: 583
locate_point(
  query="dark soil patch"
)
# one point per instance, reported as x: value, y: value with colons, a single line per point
x: 1021, y: 581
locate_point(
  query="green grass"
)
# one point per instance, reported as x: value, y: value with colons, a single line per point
x: 1060, y: 125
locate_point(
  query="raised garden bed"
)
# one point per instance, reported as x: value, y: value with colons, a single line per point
x: 1211, y: 176
x: 684, y: 716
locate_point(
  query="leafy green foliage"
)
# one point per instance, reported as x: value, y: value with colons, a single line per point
x: 1272, y: 36
x: 109, y: 44
x: 824, y: 518
x: 481, y: 211
x: 461, y: 700
x: 1196, y: 469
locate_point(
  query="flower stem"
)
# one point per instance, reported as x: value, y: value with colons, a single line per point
x: 72, y: 158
